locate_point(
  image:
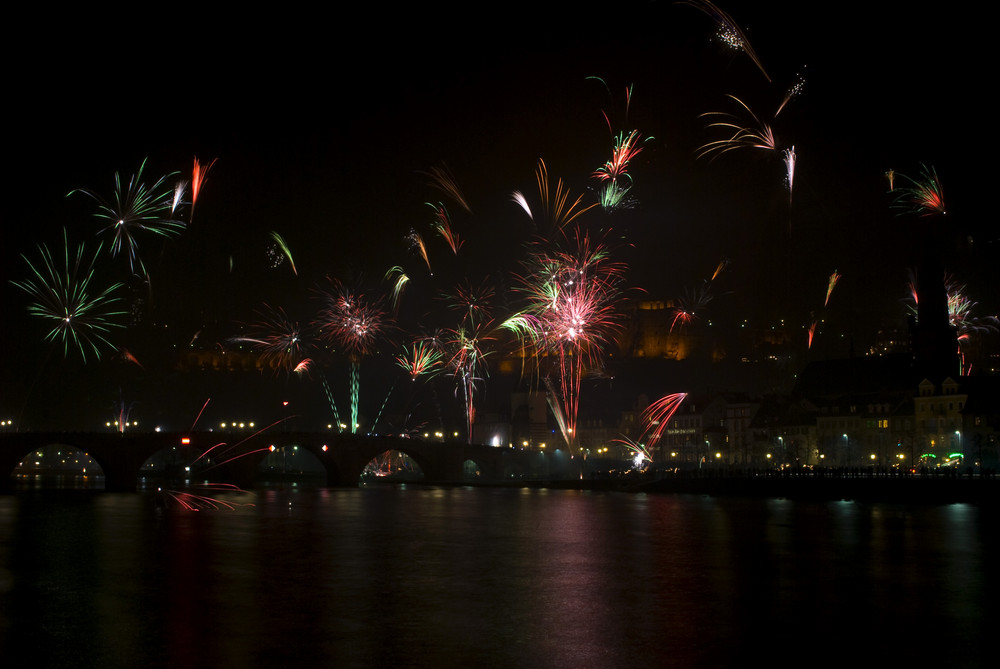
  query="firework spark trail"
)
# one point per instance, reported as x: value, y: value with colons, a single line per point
x: 793, y: 92
x: 890, y: 176
x: 789, y: 157
x: 237, y: 445
x: 831, y: 283
x: 639, y: 451
x: 694, y: 302
x: 518, y: 197
x: 417, y: 242
x: 756, y: 136
x: 194, y: 502
x: 658, y: 414
x: 333, y: 404
x: 559, y: 214
x: 466, y: 363
x: 198, y: 417
x: 63, y: 297
x: 690, y: 306
x: 552, y: 398
x: 628, y: 100
x: 198, y: 175
x: 729, y: 32
x: 656, y: 418
x: 121, y: 414
x: 378, y: 416
x: 279, y: 240
x: 132, y: 209
x: 925, y: 197
x: 398, y: 277
x: 355, y: 388
x: 527, y: 332
x: 442, y: 224
x: 720, y: 268
x: 237, y: 457
x: 525, y: 327
x: 442, y: 179
x: 179, y: 189
x: 911, y: 286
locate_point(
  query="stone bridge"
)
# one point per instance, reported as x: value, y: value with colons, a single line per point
x: 220, y: 458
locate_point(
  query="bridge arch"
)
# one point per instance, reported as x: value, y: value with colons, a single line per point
x: 57, y: 465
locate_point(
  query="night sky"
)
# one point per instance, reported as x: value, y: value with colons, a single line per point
x: 323, y: 132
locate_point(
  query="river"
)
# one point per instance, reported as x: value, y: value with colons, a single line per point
x: 491, y: 577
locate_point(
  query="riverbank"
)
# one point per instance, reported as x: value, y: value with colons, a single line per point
x: 886, y: 489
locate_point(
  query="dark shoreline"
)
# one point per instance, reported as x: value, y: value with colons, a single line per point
x: 891, y: 490
x: 887, y: 490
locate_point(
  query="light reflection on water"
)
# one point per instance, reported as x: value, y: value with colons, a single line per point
x: 438, y: 577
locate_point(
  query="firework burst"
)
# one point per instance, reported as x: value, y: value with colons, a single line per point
x: 572, y: 296
x: 626, y: 147
x: 281, y: 341
x: 135, y: 208
x: 65, y: 296
x: 356, y: 323
x: 472, y: 302
x: 729, y: 33
x: 693, y: 304
x: 555, y: 203
x: 924, y: 197
x: 420, y: 359
x: 615, y: 179
x: 968, y: 327
x: 757, y: 135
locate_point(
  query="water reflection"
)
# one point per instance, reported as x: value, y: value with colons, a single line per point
x: 437, y: 577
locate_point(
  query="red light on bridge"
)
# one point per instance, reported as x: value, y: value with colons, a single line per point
x: 185, y: 441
